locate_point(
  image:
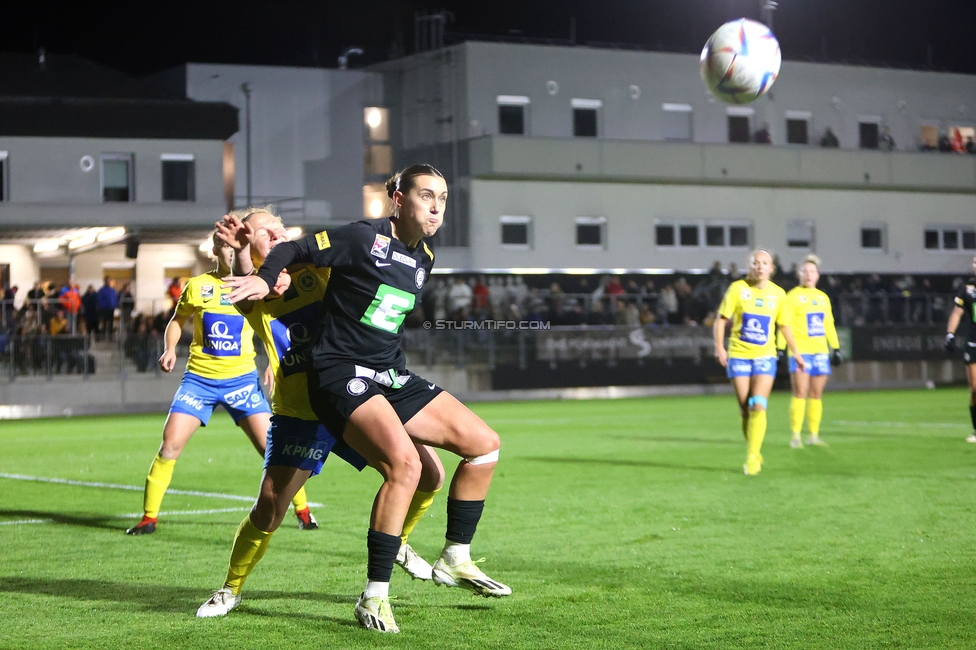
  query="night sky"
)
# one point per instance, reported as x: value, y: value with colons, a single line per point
x: 142, y: 38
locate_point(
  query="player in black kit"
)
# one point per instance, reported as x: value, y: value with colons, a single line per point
x: 360, y: 389
x: 965, y: 309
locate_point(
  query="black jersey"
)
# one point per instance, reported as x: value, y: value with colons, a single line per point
x: 965, y: 298
x: 376, y: 281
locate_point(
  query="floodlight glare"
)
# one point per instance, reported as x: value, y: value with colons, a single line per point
x: 376, y: 208
x: 374, y: 118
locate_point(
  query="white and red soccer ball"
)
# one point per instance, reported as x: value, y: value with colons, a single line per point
x: 740, y: 61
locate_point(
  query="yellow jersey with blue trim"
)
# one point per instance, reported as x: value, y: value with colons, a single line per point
x: 811, y: 319
x: 753, y: 313
x: 286, y: 325
x: 223, y: 342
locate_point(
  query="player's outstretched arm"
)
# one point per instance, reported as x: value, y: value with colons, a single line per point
x: 248, y: 287
x: 950, y: 338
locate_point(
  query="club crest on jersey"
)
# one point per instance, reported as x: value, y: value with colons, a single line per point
x: 404, y: 259
x: 381, y: 247
x: 420, y: 277
x: 971, y: 290
x: 225, y: 300
x: 305, y: 281
x: 206, y: 291
x: 356, y: 386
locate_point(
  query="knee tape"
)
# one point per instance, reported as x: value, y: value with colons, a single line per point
x: 491, y: 457
x: 758, y: 400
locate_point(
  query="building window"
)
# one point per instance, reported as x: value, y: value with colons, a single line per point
x: 379, y: 159
x: 799, y: 234
x: 715, y: 234
x: 688, y: 235
x: 179, y: 182
x: 117, y: 177
x: 4, y: 177
x: 798, y: 127
x: 950, y: 238
x: 511, y: 114
x: 664, y: 235
x: 738, y: 236
x: 591, y: 232
x: 377, y: 152
x: 377, y: 122
x: 585, y: 113
x: 739, y: 128
x: 872, y: 237
x: 676, y: 122
x: 868, y: 130
x: 516, y: 231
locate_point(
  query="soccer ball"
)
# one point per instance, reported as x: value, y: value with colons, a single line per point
x: 740, y: 61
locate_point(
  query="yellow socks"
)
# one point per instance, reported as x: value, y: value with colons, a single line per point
x: 160, y: 474
x: 250, y: 543
x: 301, y: 500
x: 797, y: 408
x: 814, y: 416
x: 419, y: 505
x: 757, y: 432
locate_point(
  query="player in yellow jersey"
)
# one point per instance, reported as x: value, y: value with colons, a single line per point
x: 298, y: 444
x: 811, y: 320
x: 753, y: 306
x: 220, y: 370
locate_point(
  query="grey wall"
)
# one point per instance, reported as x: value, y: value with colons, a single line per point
x: 306, y: 132
x: 901, y: 98
x: 632, y: 211
x: 49, y: 188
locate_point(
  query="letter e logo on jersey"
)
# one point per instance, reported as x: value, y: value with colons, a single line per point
x: 381, y: 247
x: 815, y: 324
x: 755, y: 329
x: 356, y: 386
x: 222, y: 334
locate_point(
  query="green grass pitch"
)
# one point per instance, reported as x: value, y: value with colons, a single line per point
x: 618, y: 524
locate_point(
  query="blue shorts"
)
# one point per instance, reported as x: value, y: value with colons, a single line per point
x: 751, y: 367
x: 304, y: 444
x: 817, y: 364
x: 241, y: 396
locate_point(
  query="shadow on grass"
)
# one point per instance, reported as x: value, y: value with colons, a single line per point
x: 157, y: 598
x: 614, y: 462
x: 90, y: 521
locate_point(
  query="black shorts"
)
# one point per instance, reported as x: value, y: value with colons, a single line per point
x: 969, y: 353
x: 335, y: 393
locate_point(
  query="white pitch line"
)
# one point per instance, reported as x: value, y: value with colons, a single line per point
x: 137, y: 488
x: 26, y: 521
x: 919, y: 425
